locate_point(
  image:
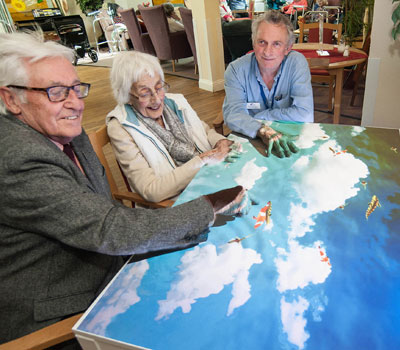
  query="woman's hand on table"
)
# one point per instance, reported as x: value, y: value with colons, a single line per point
x: 218, y: 153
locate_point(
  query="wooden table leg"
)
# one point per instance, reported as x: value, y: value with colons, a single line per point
x: 338, y: 95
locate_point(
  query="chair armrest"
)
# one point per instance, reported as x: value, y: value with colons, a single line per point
x: 218, y: 123
x: 46, y: 337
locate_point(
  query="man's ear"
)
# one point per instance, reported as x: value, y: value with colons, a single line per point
x: 288, y: 49
x: 10, y: 99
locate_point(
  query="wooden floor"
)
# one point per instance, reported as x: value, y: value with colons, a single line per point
x: 101, y: 100
x: 207, y: 104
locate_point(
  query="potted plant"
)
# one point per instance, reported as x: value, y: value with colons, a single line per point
x: 353, y: 20
x: 89, y: 5
x: 396, y: 19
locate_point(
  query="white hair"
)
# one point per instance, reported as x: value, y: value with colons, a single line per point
x: 18, y: 48
x: 128, y: 68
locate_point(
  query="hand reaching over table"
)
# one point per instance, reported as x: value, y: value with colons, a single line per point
x: 231, y: 201
x: 218, y: 153
x: 278, y: 143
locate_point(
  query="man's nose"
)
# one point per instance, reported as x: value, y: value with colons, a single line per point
x: 73, y: 99
x: 267, y: 50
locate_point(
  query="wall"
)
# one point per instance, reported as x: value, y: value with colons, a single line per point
x: 381, y: 105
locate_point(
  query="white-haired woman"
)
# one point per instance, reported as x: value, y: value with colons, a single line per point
x: 158, y: 139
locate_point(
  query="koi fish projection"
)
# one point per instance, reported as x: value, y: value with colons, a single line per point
x: 263, y: 216
x: 324, y: 257
x: 372, y: 206
x: 336, y: 153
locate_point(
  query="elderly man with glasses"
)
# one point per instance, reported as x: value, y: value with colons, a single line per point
x: 62, y: 236
x: 158, y: 139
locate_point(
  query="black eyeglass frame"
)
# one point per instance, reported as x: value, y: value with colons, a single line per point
x: 66, y: 94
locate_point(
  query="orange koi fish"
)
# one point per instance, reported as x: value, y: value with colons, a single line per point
x: 263, y: 216
x: 337, y: 153
x: 364, y: 183
x: 394, y: 149
x: 341, y: 152
x: 324, y: 258
x: 372, y: 206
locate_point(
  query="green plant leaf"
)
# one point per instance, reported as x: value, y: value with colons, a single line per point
x: 396, y: 15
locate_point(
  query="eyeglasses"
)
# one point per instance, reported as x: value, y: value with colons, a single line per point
x: 145, y: 95
x: 59, y: 93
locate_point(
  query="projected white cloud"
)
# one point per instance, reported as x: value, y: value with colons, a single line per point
x: 357, y: 130
x: 300, y: 266
x: 293, y: 321
x: 324, y: 181
x: 204, y: 272
x: 250, y: 174
x: 309, y: 134
x: 122, y: 300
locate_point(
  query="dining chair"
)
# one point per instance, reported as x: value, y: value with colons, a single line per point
x: 187, y: 20
x: 45, y: 338
x: 99, y: 139
x: 219, y: 124
x: 237, y: 36
x: 141, y: 41
x: 168, y: 46
x: 321, y: 75
x: 329, y: 30
x: 335, y: 10
x: 358, y: 71
x: 295, y: 14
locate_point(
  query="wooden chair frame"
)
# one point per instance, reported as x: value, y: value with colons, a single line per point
x: 99, y: 139
x: 325, y: 77
x: 46, y: 337
x: 326, y: 25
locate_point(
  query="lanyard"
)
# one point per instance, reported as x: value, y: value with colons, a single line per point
x: 276, y: 86
x: 273, y: 94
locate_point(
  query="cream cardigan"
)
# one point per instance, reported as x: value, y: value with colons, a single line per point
x: 145, y: 161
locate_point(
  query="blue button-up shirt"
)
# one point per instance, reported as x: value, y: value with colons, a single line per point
x: 248, y: 100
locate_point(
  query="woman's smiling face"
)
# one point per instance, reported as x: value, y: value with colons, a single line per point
x: 147, y: 96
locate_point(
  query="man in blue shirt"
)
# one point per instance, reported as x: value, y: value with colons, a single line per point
x: 238, y: 5
x: 271, y: 84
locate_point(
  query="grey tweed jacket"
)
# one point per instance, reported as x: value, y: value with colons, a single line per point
x: 61, y: 235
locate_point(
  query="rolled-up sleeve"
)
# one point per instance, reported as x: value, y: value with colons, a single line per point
x: 290, y: 98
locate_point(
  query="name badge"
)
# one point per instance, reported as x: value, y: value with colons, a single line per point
x: 253, y: 105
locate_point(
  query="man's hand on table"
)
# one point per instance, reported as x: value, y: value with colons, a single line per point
x: 279, y: 144
x: 231, y: 201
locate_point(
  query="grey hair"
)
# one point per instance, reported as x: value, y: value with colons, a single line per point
x: 17, y: 49
x: 128, y: 68
x: 168, y: 8
x: 273, y: 17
